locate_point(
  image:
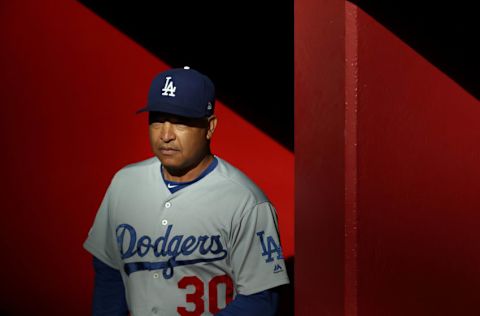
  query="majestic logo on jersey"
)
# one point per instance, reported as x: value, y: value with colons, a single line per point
x: 204, y: 248
x: 277, y: 268
x: 269, y: 247
x: 169, y: 88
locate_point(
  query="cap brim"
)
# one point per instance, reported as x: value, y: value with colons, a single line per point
x: 171, y: 109
x: 144, y: 109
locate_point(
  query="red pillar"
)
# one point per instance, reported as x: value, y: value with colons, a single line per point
x: 387, y: 168
x: 319, y: 157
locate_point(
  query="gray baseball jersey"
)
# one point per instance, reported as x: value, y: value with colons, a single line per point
x: 190, y: 252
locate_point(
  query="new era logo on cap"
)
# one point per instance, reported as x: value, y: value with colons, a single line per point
x: 181, y: 91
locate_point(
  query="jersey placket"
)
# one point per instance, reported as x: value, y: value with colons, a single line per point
x: 156, y: 277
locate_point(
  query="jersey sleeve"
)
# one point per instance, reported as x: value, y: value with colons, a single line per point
x: 256, y: 255
x: 101, y: 241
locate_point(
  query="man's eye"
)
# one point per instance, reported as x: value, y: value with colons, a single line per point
x: 180, y: 122
x: 157, y: 120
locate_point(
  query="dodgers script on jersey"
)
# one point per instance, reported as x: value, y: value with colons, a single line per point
x: 190, y: 252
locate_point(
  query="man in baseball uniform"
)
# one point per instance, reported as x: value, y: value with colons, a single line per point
x: 184, y: 232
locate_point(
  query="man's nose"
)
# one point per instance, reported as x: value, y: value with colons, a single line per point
x: 167, y: 133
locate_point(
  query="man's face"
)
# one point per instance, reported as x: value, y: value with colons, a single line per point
x: 179, y: 142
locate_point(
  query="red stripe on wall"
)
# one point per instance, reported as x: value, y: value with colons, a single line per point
x: 351, y: 164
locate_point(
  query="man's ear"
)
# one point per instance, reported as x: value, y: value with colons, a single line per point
x: 212, y: 124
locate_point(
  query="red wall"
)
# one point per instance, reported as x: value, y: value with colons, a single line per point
x: 418, y: 172
x: 387, y: 169
x: 70, y: 85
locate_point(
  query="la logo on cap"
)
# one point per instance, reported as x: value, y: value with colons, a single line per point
x: 169, y: 88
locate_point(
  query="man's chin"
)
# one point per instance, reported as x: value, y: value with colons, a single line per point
x: 172, y: 167
x: 168, y: 163
x: 170, y: 160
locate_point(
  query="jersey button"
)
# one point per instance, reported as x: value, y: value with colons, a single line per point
x: 168, y: 204
x: 156, y: 275
x: 164, y: 222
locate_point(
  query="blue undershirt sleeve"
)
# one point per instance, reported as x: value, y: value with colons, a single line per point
x: 109, y: 292
x: 259, y: 304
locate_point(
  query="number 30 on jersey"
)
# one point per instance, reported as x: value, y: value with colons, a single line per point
x: 196, y: 298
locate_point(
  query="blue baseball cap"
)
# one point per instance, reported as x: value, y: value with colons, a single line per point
x: 181, y: 91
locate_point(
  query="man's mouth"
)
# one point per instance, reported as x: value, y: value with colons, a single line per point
x: 168, y: 150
